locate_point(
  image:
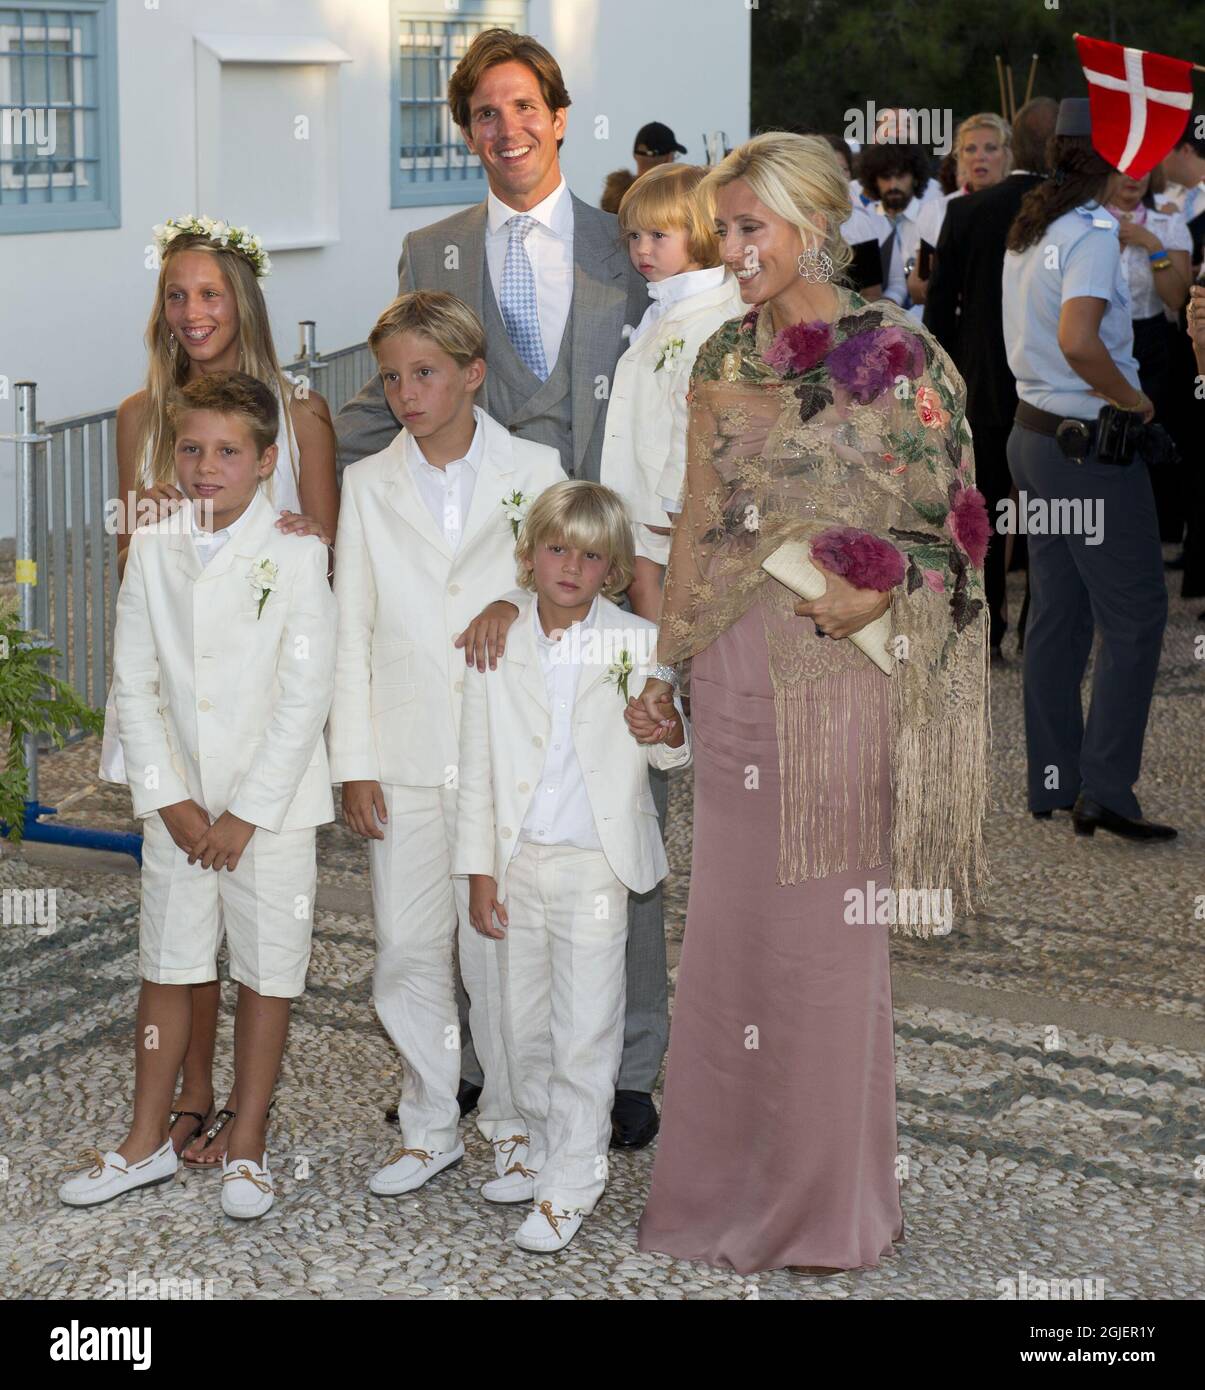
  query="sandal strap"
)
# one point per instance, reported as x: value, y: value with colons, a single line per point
x: 219, y: 1124
x: 175, y: 1115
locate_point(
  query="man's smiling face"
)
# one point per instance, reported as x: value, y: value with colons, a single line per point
x: 514, y: 133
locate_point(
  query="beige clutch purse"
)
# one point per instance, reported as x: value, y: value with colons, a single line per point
x: 791, y: 565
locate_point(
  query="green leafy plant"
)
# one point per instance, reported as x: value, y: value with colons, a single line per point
x: 31, y: 702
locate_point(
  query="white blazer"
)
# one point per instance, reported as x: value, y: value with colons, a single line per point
x: 644, y: 449
x: 218, y: 702
x: 404, y: 597
x: 504, y: 740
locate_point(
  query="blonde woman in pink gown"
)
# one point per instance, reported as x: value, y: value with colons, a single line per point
x: 816, y: 418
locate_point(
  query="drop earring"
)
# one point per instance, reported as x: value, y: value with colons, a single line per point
x: 816, y: 266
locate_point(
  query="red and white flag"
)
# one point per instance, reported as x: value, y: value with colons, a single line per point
x: 1140, y: 103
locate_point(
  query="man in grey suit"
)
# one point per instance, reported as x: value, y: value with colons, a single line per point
x: 552, y: 282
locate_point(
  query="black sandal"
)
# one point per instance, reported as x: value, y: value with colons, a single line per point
x: 211, y: 1134
x: 171, y: 1124
x: 219, y: 1124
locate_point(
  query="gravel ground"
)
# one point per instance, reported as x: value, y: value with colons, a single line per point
x: 1031, y: 1146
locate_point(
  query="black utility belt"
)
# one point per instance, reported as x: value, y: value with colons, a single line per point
x: 1115, y: 434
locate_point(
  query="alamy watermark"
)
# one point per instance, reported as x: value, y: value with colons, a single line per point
x: 887, y: 906
x: 898, y: 125
x: 29, y: 907
x: 22, y: 126
x: 1057, y: 516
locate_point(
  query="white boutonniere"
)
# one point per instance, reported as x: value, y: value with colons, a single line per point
x: 671, y: 350
x: 263, y: 575
x: 517, y: 505
x: 619, y: 671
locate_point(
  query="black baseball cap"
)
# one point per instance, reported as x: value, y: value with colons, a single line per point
x: 655, y: 139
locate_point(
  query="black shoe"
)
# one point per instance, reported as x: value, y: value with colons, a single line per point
x: 998, y: 658
x: 467, y: 1097
x: 1047, y: 815
x: 1087, y: 815
x: 634, y: 1120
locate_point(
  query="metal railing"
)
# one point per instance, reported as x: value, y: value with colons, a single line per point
x: 66, y: 553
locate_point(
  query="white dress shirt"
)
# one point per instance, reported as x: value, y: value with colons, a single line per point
x: 447, y: 491
x: 208, y: 543
x: 560, y: 812
x: 673, y: 290
x: 550, y: 251
x: 1173, y: 232
x: 906, y: 247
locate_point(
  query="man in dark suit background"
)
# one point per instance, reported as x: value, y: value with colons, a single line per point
x: 963, y: 311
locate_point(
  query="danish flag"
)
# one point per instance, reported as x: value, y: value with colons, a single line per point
x: 1140, y: 103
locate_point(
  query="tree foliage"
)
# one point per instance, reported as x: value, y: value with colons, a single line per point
x: 814, y: 60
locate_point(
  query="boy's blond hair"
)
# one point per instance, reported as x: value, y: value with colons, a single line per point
x: 667, y: 198
x: 449, y: 323
x: 586, y: 516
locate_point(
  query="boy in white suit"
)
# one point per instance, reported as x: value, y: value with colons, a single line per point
x: 556, y: 824
x: 223, y: 674
x: 671, y: 240
x: 426, y: 536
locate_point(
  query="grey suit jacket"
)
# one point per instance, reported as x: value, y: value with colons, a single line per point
x: 608, y: 293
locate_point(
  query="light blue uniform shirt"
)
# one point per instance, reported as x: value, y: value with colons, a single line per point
x: 1078, y: 255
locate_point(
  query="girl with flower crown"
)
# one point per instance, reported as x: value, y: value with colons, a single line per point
x: 209, y: 315
x: 825, y: 423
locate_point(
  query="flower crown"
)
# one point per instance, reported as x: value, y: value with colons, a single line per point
x: 232, y: 238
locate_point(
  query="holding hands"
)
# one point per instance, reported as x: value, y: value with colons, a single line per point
x: 652, y: 717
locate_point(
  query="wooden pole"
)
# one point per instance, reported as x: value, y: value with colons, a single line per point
x: 1012, y: 97
x: 1033, y: 69
x: 1196, y: 67
x: 1000, y: 79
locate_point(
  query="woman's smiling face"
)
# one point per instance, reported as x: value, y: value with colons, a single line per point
x: 761, y: 248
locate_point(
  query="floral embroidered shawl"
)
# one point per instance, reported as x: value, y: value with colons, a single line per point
x: 855, y: 424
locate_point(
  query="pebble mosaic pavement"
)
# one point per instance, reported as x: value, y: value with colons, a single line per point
x: 1085, y: 1159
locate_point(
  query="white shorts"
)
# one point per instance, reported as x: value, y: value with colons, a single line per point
x: 649, y: 544
x: 265, y: 907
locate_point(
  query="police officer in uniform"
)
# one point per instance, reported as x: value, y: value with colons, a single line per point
x: 1076, y: 439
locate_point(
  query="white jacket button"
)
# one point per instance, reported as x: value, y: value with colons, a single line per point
x: 453, y: 588
x: 538, y: 741
x: 505, y: 833
x: 204, y: 704
x: 524, y: 787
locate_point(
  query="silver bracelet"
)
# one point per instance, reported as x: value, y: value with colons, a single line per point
x: 666, y: 674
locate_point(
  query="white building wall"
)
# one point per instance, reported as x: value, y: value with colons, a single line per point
x: 74, y: 305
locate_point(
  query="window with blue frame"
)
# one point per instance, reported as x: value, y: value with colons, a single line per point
x: 58, y: 116
x: 430, y: 161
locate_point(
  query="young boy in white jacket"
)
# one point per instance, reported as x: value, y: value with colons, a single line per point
x: 426, y: 536
x: 223, y: 671
x: 672, y: 243
x: 556, y: 824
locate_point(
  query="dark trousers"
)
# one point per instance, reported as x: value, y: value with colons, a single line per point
x: 1115, y: 588
x: 993, y: 480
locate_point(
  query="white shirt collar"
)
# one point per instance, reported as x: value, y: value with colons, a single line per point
x: 555, y: 212
x: 911, y: 212
x: 472, y: 457
x: 543, y: 639
x: 675, y: 288
x: 208, y: 537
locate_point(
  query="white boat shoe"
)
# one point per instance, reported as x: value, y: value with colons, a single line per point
x: 508, y: 1152
x: 547, y: 1230
x: 517, y: 1184
x: 101, y: 1177
x: 408, y: 1169
x: 247, y: 1189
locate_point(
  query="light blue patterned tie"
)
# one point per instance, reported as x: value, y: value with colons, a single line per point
x: 520, y: 311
